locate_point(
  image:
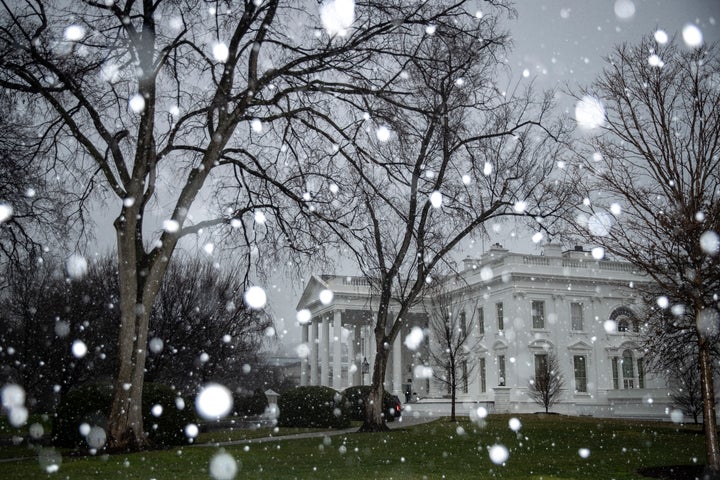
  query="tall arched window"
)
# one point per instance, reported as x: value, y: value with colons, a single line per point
x: 628, y: 369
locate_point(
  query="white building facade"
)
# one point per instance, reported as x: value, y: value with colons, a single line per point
x: 523, y: 308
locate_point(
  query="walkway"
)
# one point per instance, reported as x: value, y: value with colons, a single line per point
x: 405, y: 421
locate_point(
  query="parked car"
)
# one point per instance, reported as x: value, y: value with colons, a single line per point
x: 358, y: 395
x: 396, y: 408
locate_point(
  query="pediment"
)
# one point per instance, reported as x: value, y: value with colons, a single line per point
x: 541, y: 344
x: 311, y: 292
x: 626, y: 345
x: 500, y: 345
x: 580, y: 345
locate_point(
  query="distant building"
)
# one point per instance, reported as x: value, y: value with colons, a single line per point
x: 523, y: 306
x: 287, y: 368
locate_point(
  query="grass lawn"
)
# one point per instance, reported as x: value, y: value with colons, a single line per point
x: 546, y: 447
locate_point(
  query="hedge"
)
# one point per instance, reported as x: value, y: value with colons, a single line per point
x: 314, y: 407
x: 357, y: 396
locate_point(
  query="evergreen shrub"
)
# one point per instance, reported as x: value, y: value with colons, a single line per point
x: 313, y: 407
x: 357, y: 397
x: 254, y: 404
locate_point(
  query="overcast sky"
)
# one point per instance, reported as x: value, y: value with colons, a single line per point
x: 557, y: 43
x: 566, y: 40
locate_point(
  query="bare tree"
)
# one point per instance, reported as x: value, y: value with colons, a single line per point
x: 687, y: 390
x: 546, y: 388
x: 651, y: 178
x: 184, y: 115
x: 200, y: 328
x: 33, y: 208
x: 58, y: 334
x: 448, y: 152
x: 670, y: 348
x: 453, y: 347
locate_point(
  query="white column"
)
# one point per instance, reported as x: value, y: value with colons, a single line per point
x: 325, y: 353
x: 304, y: 362
x: 367, y: 353
x: 337, y: 350
x: 602, y: 370
x: 474, y: 380
x: 314, y: 344
x: 352, y: 361
x: 397, y: 366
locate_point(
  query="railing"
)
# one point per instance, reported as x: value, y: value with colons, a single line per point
x: 527, y: 260
x: 356, y: 281
x: 617, y: 266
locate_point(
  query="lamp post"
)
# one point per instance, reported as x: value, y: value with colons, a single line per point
x: 364, y: 369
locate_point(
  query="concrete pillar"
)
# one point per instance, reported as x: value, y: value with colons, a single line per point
x: 337, y: 350
x: 601, y: 370
x: 397, y: 366
x: 325, y: 352
x: 304, y: 362
x: 368, y: 342
x: 314, y: 344
x: 474, y: 380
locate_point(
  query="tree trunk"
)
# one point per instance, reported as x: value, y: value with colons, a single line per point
x: 125, y: 426
x: 374, y: 418
x: 712, y: 448
x: 453, y: 392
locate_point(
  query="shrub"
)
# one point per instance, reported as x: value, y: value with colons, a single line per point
x: 254, y: 404
x: 357, y: 396
x: 313, y: 406
x: 91, y: 404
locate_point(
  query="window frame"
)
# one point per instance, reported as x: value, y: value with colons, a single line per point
x: 541, y: 360
x: 463, y: 323
x: 537, y: 315
x: 500, y: 313
x: 483, y: 374
x: 581, y: 381
x: 502, y: 373
x: 577, y: 320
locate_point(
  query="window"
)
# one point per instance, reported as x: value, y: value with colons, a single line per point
x: 483, y: 377
x: 615, y: 373
x: 538, y: 314
x: 625, y: 318
x: 481, y: 321
x: 579, y: 366
x: 500, y: 316
x: 641, y: 373
x: 465, y: 376
x: 540, y: 364
x: 463, y: 324
x: 576, y: 316
x: 501, y: 370
x: 628, y: 370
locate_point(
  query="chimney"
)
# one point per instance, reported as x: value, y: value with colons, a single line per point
x: 552, y: 250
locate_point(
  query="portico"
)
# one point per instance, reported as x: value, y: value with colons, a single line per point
x: 338, y: 335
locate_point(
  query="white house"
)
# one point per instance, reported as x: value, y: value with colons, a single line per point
x: 523, y: 307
